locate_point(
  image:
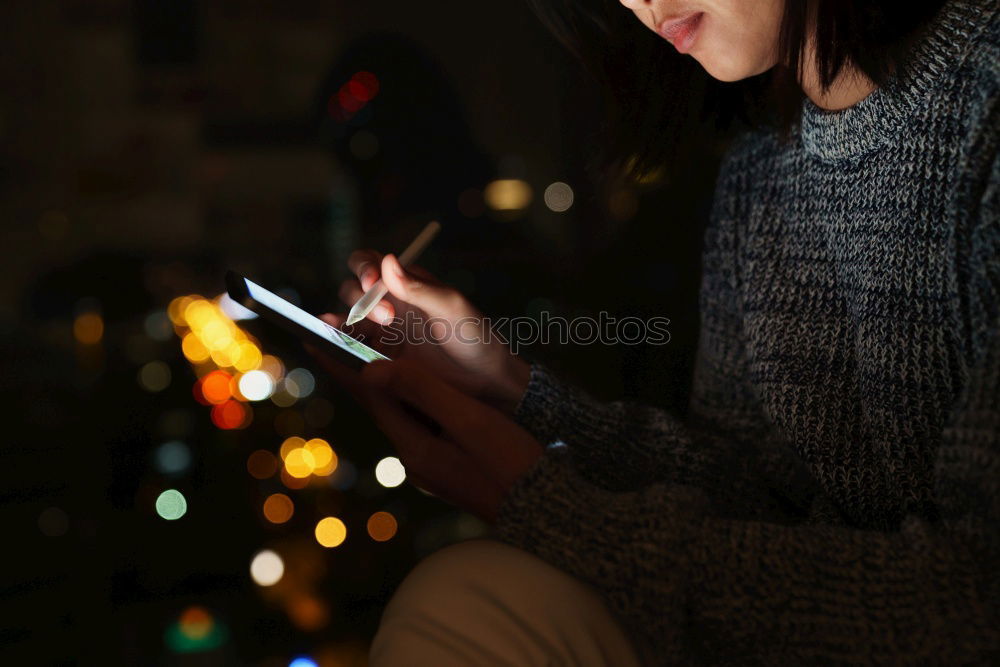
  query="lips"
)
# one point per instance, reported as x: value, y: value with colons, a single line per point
x: 681, y: 31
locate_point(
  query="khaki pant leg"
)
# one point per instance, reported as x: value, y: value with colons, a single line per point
x: 483, y: 602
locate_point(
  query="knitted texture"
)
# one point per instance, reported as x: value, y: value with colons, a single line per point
x: 834, y: 493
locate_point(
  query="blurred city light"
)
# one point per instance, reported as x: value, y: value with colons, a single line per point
x: 154, y: 376
x: 157, y: 326
x: 331, y: 532
x: 278, y: 508
x: 390, y: 472
x: 300, y: 462
x: 262, y: 464
x: 558, y: 197
x: 303, y: 662
x: 509, y: 194
x: 267, y: 568
x: 344, y: 477
x: 382, y: 526
x: 53, y: 522
x: 256, y: 385
x: 196, y: 630
x: 307, y: 612
x: 173, y: 457
x: 324, y: 458
x: 88, y: 328
x: 171, y: 505
x: 294, y: 442
x: 299, y: 383
x: 231, y: 415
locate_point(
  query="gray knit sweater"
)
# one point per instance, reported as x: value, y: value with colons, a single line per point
x: 834, y: 494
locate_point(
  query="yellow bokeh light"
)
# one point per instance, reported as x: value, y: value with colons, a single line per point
x: 300, y: 463
x: 198, y: 313
x: 289, y: 444
x: 249, y: 357
x: 193, y: 350
x: 322, y: 453
x: 175, y: 311
x: 331, y: 532
x: 88, y: 328
x: 507, y: 194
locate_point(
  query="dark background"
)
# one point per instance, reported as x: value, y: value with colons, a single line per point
x: 146, y: 147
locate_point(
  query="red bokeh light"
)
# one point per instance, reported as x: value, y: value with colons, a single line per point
x: 348, y: 101
x: 230, y: 415
x: 369, y: 82
x: 216, y: 387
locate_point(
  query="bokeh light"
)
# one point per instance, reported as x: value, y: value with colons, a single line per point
x: 196, y: 623
x: 193, y: 349
x: 278, y: 508
x: 158, y: 326
x: 293, y: 442
x: 558, y: 197
x: 171, y: 505
x: 216, y: 387
x: 508, y: 194
x: 88, y: 328
x: 331, y: 532
x: 173, y: 457
x: 382, y: 526
x: 154, y: 376
x: 231, y: 415
x: 256, y: 385
x: 267, y: 568
x: 390, y: 472
x: 53, y: 522
x: 262, y: 464
x: 303, y: 661
x: 307, y: 612
x: 300, y: 462
x: 293, y: 482
x: 299, y: 383
x: 324, y: 458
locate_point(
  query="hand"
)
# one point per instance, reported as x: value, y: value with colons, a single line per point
x: 458, y: 347
x: 476, y: 456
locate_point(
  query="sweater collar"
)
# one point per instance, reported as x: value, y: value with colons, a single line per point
x: 862, y: 128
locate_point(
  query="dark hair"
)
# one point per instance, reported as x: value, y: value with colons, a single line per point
x: 646, y: 121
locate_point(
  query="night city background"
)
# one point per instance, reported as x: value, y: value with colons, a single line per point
x: 181, y: 486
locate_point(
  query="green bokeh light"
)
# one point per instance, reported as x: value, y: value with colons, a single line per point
x: 171, y: 504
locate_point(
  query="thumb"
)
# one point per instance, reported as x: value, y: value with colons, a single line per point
x: 434, y: 299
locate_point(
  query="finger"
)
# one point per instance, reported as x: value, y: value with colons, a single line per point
x: 434, y: 298
x: 435, y: 462
x: 365, y: 264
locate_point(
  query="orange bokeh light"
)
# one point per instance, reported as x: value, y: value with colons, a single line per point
x: 230, y: 415
x: 293, y: 482
x: 196, y: 622
x: 88, y: 328
x: 217, y: 387
x: 278, y: 508
x: 262, y: 464
x: 382, y: 526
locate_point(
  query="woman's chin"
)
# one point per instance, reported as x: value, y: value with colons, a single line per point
x: 726, y: 70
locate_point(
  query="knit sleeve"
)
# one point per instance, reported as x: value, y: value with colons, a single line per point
x: 681, y: 577
x: 687, y: 579
x: 622, y: 444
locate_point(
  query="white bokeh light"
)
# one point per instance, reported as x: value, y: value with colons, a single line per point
x: 256, y: 385
x: 267, y: 568
x: 558, y: 197
x: 390, y: 472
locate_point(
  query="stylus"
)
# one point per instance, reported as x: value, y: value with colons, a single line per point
x: 375, y: 293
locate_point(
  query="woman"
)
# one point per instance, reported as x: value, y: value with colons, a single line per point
x: 833, y: 495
